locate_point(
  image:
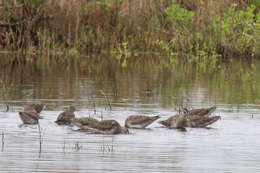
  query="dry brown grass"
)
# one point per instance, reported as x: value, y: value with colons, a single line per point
x: 88, y: 25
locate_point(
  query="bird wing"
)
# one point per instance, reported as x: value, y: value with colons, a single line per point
x: 202, y: 121
x: 138, y: 119
x: 195, y: 111
x: 86, y: 120
x: 65, y: 116
x: 106, y: 125
x: 38, y: 107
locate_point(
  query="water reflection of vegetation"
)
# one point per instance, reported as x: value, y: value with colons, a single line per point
x: 146, y: 78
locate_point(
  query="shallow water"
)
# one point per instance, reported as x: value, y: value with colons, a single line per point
x: 229, y: 145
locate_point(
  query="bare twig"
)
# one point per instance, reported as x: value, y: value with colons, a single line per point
x: 108, y: 101
x: 3, y: 141
x: 7, y: 108
x: 102, y: 148
x: 108, y: 148
x: 102, y: 116
x: 64, y: 145
x: 94, y: 108
x: 112, y: 144
x: 40, y: 137
x: 77, y: 147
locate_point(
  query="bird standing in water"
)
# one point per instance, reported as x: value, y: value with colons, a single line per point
x: 66, y: 117
x: 200, y: 112
x: 139, y: 121
x: 107, y: 127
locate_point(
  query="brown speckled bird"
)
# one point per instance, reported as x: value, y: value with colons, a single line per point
x: 200, y: 121
x: 29, y: 117
x: 139, y: 121
x: 175, y: 122
x: 108, y: 127
x: 30, y: 113
x: 200, y: 112
x: 37, y: 107
x: 83, y: 121
x: 183, y: 120
x: 66, y: 117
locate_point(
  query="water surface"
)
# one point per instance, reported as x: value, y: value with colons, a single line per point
x: 229, y: 145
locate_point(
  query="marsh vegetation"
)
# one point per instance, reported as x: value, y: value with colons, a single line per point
x: 204, y: 32
x: 116, y: 58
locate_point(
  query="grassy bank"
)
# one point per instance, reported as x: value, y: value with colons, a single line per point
x: 200, y: 31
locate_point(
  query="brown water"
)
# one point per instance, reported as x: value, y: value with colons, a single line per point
x: 230, y: 145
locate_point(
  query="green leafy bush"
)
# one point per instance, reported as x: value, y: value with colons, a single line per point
x: 180, y: 15
x: 232, y: 32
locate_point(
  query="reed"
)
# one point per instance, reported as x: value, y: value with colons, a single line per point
x: 101, y: 116
x: 107, y: 100
x: 106, y: 148
x: 95, y: 111
x: 77, y: 146
x: 64, y: 146
x: 40, y: 137
x: 7, y: 107
x: 3, y: 141
x: 201, y: 31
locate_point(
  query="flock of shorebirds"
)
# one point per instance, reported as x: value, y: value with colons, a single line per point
x: 188, y: 118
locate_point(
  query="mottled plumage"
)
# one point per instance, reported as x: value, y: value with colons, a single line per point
x: 85, y: 120
x: 29, y: 117
x: 139, y: 121
x: 174, y: 122
x: 66, y: 117
x: 37, y: 107
x: 107, y: 127
x: 200, y: 112
x: 30, y: 113
x: 200, y: 121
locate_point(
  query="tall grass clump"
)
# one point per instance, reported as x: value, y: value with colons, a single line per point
x: 199, y: 31
x: 79, y: 26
